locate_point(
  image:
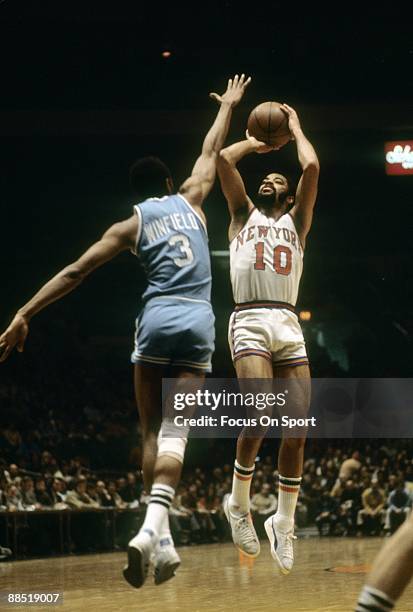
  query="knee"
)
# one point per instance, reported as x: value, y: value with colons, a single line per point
x: 172, y: 447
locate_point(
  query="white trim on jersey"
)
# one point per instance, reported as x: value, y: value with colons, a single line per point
x: 168, y: 361
x: 138, y: 213
x: 180, y: 297
x: 149, y: 359
x: 194, y: 211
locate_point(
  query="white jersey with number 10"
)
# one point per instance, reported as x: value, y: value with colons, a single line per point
x: 266, y: 260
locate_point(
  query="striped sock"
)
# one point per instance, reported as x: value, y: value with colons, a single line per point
x: 241, y: 484
x: 373, y: 600
x: 158, y: 507
x: 288, y: 489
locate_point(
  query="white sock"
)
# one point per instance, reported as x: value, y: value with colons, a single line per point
x: 288, y: 489
x: 374, y: 600
x: 165, y: 537
x: 241, y: 484
x: 156, y: 514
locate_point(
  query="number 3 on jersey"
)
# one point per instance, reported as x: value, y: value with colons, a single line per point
x: 186, y: 255
x: 282, y: 259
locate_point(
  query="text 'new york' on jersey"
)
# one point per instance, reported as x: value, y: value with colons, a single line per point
x: 266, y: 260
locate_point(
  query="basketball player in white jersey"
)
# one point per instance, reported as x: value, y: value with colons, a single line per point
x: 267, y: 241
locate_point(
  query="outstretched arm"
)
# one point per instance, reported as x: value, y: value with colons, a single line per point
x: 119, y: 237
x: 199, y: 184
x: 232, y: 184
x: 306, y: 195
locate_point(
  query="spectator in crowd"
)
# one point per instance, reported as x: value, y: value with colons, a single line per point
x: 78, y: 497
x: 185, y: 501
x: 391, y: 483
x: 207, y: 525
x: 327, y: 515
x: 13, y: 439
x: 131, y: 492
x: 180, y: 521
x: 117, y: 501
x: 338, y: 488
x: 43, y: 496
x: 201, y: 524
x: 218, y: 516
x: 350, y: 466
x: 264, y: 502
x: 29, y: 499
x: 58, y: 494
x: 91, y: 490
x: 103, y: 497
x: 309, y: 495
x: 3, y: 498
x: 64, y: 473
x: 350, y: 504
x: 12, y: 475
x: 13, y: 498
x: 399, y: 507
x: 370, y: 517
x: 120, y: 483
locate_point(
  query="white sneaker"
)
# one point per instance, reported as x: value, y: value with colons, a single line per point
x: 140, y: 549
x: 165, y: 560
x: 281, y: 544
x: 242, y: 529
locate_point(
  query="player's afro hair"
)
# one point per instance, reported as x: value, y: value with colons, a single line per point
x: 147, y: 177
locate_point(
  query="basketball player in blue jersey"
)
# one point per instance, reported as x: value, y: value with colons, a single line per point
x: 267, y: 241
x: 175, y: 329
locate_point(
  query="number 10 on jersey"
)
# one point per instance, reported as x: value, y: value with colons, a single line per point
x: 282, y: 258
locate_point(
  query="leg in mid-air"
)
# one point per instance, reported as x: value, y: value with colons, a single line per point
x: 237, y: 504
x: 280, y: 526
x: 391, y: 572
x: 162, y: 466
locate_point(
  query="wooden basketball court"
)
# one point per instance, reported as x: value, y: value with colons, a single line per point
x: 327, y: 577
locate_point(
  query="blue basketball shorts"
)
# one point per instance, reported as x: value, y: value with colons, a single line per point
x: 175, y: 331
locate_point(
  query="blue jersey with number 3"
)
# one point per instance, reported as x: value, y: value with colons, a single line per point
x: 173, y: 249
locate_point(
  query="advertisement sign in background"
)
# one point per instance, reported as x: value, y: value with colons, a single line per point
x: 399, y: 157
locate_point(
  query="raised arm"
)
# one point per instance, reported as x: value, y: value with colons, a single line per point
x: 239, y: 204
x: 302, y: 211
x: 199, y: 184
x: 119, y: 237
x: 229, y: 176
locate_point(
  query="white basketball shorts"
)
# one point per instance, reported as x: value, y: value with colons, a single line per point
x: 273, y: 333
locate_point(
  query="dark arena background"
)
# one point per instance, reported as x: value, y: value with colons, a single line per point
x: 86, y: 88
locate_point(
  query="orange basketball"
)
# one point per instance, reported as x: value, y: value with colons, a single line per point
x: 269, y: 124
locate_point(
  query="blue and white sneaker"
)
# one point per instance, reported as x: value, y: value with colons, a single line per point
x: 281, y: 544
x: 165, y: 560
x: 140, y: 549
